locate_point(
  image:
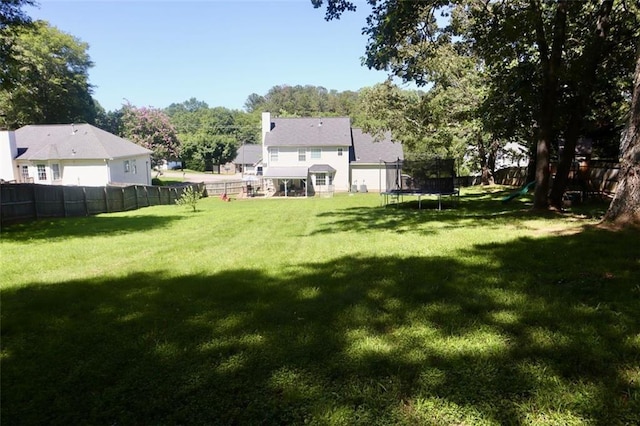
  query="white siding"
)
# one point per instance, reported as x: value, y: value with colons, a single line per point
x: 89, y: 172
x: 288, y: 157
x: 8, y: 152
x: 371, y: 175
x: 140, y: 174
x: 84, y: 172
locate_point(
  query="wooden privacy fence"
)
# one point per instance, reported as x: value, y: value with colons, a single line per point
x: 27, y: 201
x: 229, y: 187
x: 596, y: 176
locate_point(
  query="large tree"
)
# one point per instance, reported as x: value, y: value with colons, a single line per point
x: 11, y: 13
x: 202, y: 150
x: 151, y: 128
x: 625, y: 207
x: 561, y: 43
x: 210, y: 136
x: 49, y: 80
x: 444, y: 121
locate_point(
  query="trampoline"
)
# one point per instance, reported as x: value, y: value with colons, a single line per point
x: 420, y: 178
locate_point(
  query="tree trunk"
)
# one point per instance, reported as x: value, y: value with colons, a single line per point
x: 484, y: 167
x: 491, y: 161
x: 531, y: 167
x: 566, y: 159
x: 587, y: 66
x: 550, y: 64
x: 625, y: 207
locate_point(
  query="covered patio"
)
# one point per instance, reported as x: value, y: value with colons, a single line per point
x: 289, y: 181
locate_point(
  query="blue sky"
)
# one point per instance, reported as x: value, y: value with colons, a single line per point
x: 154, y: 53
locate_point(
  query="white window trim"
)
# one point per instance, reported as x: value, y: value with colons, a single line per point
x: 273, y: 154
x: 55, y: 174
x: 340, y: 151
x: 302, y: 154
x: 42, y: 172
x: 316, y: 153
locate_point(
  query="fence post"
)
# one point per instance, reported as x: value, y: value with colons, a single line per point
x: 124, y: 207
x: 86, y: 205
x: 106, y: 199
x: 64, y: 204
x: 35, y: 202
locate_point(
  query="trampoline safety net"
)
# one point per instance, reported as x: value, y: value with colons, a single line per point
x: 429, y: 176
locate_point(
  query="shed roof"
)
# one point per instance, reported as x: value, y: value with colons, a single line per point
x: 76, y: 141
x: 323, y: 131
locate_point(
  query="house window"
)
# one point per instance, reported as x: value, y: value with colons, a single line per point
x: 127, y: 166
x: 316, y: 153
x: 134, y: 168
x: 321, y: 179
x: 340, y: 152
x: 25, y: 173
x: 42, y: 172
x: 55, y: 171
x: 302, y: 154
x: 273, y: 154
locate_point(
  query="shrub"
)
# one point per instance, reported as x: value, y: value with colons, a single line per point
x: 189, y: 197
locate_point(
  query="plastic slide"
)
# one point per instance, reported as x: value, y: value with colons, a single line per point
x: 518, y: 193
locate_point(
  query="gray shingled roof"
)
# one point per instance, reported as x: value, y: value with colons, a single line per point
x: 80, y: 142
x: 367, y: 151
x: 321, y: 168
x: 248, y: 154
x: 327, y: 131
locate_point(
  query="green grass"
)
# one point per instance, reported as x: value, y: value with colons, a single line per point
x: 322, y: 311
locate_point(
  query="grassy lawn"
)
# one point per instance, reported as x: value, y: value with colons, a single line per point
x: 322, y: 311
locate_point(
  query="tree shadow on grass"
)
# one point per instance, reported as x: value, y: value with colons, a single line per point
x: 369, y: 340
x: 90, y: 226
x: 479, y: 209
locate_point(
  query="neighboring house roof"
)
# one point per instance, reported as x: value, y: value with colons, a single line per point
x: 368, y: 151
x: 248, y: 154
x: 77, y: 141
x: 328, y: 131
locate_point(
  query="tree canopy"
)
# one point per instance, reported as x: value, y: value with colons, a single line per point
x: 305, y: 101
x: 48, y: 79
x: 11, y: 13
x: 565, y: 65
x: 150, y: 128
x: 211, y: 136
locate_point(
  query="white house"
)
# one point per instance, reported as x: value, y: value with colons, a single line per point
x: 317, y: 155
x: 76, y: 154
